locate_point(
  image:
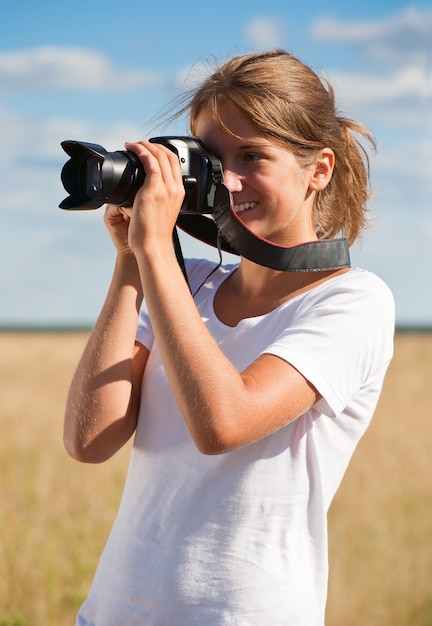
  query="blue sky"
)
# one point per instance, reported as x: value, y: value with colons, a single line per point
x: 100, y: 71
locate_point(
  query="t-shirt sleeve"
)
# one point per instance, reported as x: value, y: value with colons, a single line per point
x: 341, y: 339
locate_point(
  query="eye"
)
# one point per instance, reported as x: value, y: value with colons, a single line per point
x: 252, y: 156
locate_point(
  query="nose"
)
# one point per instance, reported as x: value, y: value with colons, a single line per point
x: 232, y: 180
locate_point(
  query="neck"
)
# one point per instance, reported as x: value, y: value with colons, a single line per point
x: 253, y: 279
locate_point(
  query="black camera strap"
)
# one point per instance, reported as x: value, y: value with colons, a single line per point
x: 237, y: 239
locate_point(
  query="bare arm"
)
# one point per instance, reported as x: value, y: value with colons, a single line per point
x: 223, y: 408
x: 103, y: 401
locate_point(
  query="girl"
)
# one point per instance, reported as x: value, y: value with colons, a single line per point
x: 247, y: 400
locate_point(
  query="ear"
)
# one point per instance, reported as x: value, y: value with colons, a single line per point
x: 322, y: 170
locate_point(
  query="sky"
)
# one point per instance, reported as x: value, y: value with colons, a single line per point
x: 104, y: 71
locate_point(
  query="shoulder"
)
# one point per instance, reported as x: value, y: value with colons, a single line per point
x: 349, y: 316
x: 358, y: 278
x: 356, y: 312
x: 339, y: 335
x: 358, y: 292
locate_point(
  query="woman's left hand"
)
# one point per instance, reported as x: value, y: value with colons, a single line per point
x: 158, y: 202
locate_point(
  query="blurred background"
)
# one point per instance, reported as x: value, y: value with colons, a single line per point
x: 103, y: 71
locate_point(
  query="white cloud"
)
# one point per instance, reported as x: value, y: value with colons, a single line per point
x: 31, y: 157
x: 407, y: 31
x: 264, y: 32
x: 30, y: 139
x: 394, y: 92
x: 410, y: 83
x: 51, y: 68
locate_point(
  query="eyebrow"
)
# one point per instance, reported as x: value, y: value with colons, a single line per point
x: 254, y: 145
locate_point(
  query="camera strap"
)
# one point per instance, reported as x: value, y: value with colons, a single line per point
x: 238, y: 239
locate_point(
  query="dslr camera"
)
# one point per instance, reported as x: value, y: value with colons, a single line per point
x: 93, y: 176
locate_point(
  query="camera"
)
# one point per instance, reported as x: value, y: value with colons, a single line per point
x: 93, y: 176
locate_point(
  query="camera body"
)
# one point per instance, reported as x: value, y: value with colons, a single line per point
x: 93, y: 176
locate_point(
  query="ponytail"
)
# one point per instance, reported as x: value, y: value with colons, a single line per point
x: 341, y: 208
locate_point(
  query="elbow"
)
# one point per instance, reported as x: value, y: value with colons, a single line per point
x: 86, y: 446
x: 83, y: 452
x: 76, y: 451
x: 213, y: 447
x: 226, y: 429
x: 212, y: 441
x: 210, y: 448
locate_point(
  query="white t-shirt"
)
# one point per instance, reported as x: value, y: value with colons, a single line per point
x: 240, y: 539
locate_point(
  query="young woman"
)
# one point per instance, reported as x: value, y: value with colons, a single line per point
x: 248, y: 399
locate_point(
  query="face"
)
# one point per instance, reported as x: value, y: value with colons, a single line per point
x: 273, y: 195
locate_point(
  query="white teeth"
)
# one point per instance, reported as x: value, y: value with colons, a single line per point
x: 238, y: 208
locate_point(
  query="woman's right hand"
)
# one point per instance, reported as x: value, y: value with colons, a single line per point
x: 117, y: 221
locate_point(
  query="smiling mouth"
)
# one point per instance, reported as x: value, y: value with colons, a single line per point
x: 240, y: 208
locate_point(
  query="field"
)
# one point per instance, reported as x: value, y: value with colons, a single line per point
x: 55, y: 514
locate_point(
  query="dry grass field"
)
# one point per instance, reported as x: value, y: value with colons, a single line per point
x: 55, y: 513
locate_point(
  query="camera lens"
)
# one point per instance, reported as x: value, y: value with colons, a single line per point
x: 92, y: 177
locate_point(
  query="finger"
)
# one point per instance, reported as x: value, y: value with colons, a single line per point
x: 126, y: 213
x: 114, y: 214
x: 158, y: 160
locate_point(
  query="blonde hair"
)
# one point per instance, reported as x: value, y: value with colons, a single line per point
x: 287, y: 102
